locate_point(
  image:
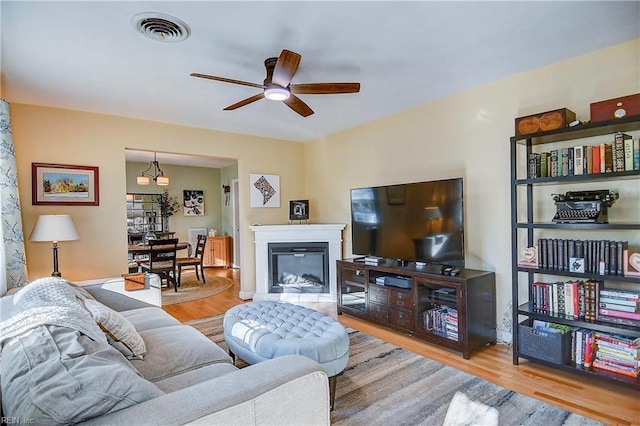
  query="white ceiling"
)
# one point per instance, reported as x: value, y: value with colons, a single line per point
x: 85, y: 55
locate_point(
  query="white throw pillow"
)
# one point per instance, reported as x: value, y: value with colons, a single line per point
x: 118, y: 328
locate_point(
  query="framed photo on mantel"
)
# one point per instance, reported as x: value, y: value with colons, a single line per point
x: 299, y: 210
x: 64, y: 185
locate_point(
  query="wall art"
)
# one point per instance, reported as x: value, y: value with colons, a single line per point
x: 64, y: 185
x: 265, y: 190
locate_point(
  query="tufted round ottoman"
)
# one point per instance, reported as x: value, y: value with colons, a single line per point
x: 258, y: 331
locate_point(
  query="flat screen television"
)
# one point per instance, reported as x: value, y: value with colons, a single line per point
x: 421, y: 222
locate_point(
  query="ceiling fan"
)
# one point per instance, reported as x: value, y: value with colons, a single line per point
x: 277, y: 86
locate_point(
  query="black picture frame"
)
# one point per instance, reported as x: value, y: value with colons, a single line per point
x: 299, y: 210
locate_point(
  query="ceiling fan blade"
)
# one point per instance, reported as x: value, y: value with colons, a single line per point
x: 296, y: 104
x: 245, y: 102
x: 324, y: 88
x: 286, y: 67
x: 227, y: 80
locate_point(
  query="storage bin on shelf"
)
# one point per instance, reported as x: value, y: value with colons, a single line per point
x: 546, y: 346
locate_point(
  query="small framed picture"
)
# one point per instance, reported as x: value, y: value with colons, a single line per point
x: 193, y: 201
x: 576, y: 264
x: 299, y: 210
x: 64, y: 185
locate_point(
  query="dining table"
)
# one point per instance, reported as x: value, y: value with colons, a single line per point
x: 142, y: 249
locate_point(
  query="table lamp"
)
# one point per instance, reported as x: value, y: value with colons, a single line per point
x: 54, y: 228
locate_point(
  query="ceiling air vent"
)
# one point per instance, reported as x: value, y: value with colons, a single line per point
x: 161, y: 27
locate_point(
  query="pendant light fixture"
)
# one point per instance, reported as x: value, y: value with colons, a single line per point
x: 157, y: 175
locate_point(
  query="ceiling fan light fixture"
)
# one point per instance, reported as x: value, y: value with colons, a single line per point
x: 276, y: 93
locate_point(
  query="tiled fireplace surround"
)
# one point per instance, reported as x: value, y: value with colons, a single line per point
x: 313, y: 233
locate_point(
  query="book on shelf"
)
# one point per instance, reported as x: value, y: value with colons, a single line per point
x: 619, y: 340
x: 621, y: 294
x: 588, y: 167
x: 628, y: 154
x: 543, y: 164
x: 554, y: 163
x: 578, y: 160
x: 619, y: 314
x: 534, y: 165
x: 595, y: 153
x: 614, y: 368
x: 608, y: 158
x: 617, y: 353
x: 619, y: 307
x: 564, y: 161
x: 636, y: 154
x: 620, y: 154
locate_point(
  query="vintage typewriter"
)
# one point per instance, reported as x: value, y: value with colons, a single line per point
x: 584, y: 206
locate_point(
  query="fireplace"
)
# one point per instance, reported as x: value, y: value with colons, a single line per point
x: 297, y: 263
x: 298, y: 267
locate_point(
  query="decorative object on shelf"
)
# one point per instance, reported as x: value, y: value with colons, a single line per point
x: 576, y: 264
x: 625, y: 106
x: 193, y: 200
x: 584, y: 206
x: 168, y: 207
x: 528, y: 257
x: 545, y: 121
x: 299, y: 210
x: 631, y: 264
x: 54, y: 228
x: 157, y: 174
x: 264, y: 190
x: 64, y: 185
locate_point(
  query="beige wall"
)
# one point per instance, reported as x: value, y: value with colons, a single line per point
x: 464, y: 135
x: 61, y: 136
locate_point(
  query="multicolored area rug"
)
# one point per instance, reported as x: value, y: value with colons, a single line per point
x: 387, y: 385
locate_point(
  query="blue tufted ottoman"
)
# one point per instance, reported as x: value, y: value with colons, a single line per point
x: 258, y: 331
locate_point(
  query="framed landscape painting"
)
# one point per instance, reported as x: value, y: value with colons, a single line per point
x: 64, y: 185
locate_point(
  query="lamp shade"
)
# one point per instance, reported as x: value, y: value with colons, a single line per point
x: 54, y: 227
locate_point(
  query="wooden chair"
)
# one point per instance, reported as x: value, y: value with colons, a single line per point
x: 195, y: 260
x: 162, y: 260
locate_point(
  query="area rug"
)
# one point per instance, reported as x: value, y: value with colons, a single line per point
x: 191, y: 290
x: 387, y: 385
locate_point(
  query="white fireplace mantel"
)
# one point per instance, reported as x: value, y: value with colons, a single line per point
x: 265, y: 234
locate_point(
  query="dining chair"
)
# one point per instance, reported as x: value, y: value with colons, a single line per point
x: 196, y: 260
x: 162, y: 260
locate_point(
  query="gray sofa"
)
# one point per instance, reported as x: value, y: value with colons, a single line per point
x: 82, y: 355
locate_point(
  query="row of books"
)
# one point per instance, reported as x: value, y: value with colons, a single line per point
x: 587, y: 300
x: 596, y: 350
x: 442, y: 320
x: 623, y: 154
x: 603, y: 257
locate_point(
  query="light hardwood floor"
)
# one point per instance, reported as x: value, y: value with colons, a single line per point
x: 603, y: 401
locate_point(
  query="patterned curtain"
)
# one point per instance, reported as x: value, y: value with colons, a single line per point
x: 12, y: 248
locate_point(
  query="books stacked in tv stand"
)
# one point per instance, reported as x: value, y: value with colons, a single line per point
x: 453, y: 311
